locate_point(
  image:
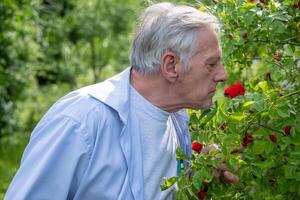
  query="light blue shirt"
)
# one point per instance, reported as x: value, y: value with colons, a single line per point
x: 87, y: 147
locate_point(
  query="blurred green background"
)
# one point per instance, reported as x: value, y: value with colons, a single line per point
x: 47, y: 49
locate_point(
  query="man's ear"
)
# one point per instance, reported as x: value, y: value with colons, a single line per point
x: 168, y: 66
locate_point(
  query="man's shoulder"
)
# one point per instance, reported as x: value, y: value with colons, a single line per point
x: 80, y: 105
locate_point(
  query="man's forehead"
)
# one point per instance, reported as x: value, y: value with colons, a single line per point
x: 210, y: 53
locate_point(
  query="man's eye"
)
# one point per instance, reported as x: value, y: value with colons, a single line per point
x: 212, y: 64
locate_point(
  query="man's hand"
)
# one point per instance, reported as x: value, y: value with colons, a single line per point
x: 222, y: 172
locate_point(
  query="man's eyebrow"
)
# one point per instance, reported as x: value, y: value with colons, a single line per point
x: 213, y: 59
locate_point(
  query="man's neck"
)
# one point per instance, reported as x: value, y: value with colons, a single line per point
x: 156, y: 90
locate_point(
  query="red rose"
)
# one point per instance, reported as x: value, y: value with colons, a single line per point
x: 287, y: 130
x: 236, y: 89
x: 273, y: 137
x: 201, y: 194
x: 197, y: 146
x: 262, y: 1
x: 248, y: 139
x: 277, y: 57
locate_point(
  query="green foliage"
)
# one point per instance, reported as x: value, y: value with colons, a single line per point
x: 261, y: 47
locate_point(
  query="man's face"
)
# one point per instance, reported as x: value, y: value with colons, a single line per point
x: 198, y: 85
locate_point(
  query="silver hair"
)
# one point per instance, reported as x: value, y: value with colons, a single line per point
x: 168, y: 27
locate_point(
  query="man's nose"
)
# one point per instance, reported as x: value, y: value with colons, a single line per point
x: 221, y: 74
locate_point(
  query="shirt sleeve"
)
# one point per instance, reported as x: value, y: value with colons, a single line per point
x: 53, y: 162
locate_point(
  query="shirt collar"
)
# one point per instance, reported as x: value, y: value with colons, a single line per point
x: 114, y: 92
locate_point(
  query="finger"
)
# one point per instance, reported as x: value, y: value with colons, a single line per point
x: 230, y: 177
x: 216, y: 173
x: 238, y: 150
x: 223, y: 167
x: 209, y: 148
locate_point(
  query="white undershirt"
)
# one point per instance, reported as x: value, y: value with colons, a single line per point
x: 159, y: 142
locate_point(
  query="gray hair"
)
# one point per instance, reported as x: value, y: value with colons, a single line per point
x: 168, y: 27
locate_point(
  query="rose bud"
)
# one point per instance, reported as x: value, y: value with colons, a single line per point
x: 273, y: 137
x: 277, y: 57
x: 268, y: 75
x: 223, y: 126
x: 287, y: 130
x: 201, y: 194
x: 248, y: 139
x: 197, y: 146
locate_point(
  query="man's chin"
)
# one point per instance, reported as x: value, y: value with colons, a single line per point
x: 206, y: 107
x: 203, y: 106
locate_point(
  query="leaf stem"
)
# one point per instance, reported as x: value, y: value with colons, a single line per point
x: 290, y: 94
x: 272, y: 129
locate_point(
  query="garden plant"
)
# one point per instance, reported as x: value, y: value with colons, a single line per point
x: 251, y: 133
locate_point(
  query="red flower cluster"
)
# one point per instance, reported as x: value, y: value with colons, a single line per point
x: 273, y: 137
x: 236, y: 89
x: 287, y: 130
x: 197, y: 146
x: 248, y: 139
x: 201, y: 194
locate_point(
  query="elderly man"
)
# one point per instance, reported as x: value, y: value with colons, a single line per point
x: 117, y: 139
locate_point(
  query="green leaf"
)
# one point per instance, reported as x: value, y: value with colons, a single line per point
x: 211, y: 114
x: 269, y: 164
x: 259, y: 106
x: 297, y: 54
x: 237, y: 117
x: 197, y: 180
x: 269, y: 147
x: 258, y: 147
x: 169, y: 182
x: 193, y: 118
x: 180, y: 155
x: 282, y: 112
x: 248, y: 103
x: 288, y: 49
x: 205, y: 173
x: 263, y: 85
x: 289, y: 172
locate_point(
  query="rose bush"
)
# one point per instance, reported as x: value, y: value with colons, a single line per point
x: 256, y: 129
